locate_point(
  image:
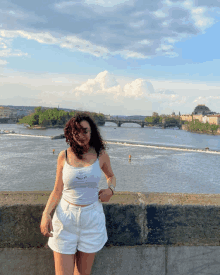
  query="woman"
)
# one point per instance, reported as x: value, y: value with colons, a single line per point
x: 78, y: 225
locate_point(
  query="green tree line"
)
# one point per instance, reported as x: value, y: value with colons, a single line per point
x: 155, y: 119
x: 197, y: 126
x: 52, y: 117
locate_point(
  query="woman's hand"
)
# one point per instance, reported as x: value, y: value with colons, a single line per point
x: 105, y: 195
x: 45, y: 223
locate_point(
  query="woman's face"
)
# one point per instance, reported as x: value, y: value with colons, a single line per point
x: 83, y: 137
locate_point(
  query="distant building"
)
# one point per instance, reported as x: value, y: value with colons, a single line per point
x: 186, y: 117
x: 203, y: 114
x: 212, y: 119
x: 201, y: 109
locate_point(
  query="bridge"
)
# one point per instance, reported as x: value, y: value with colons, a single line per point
x: 145, y: 123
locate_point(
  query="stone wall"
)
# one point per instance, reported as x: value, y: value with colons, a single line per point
x: 140, y: 226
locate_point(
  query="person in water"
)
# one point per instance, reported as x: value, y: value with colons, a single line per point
x: 78, y: 228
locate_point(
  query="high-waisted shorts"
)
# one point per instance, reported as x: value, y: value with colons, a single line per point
x: 78, y: 228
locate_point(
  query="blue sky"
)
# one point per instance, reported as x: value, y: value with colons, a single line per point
x: 120, y: 57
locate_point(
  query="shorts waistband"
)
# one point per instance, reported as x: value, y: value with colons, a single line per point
x: 84, y: 208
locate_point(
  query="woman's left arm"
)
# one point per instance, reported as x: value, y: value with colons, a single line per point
x: 106, y: 194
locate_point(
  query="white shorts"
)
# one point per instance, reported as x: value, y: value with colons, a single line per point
x: 78, y: 228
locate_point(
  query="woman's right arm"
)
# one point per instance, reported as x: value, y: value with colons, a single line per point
x: 54, y: 197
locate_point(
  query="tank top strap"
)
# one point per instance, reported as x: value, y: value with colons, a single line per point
x: 66, y: 154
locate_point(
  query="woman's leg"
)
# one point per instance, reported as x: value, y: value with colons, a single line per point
x: 64, y: 263
x: 83, y: 263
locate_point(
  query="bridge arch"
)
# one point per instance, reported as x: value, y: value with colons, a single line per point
x: 120, y: 122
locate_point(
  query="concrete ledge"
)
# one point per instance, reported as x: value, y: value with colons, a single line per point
x: 148, y: 233
x: 41, y: 197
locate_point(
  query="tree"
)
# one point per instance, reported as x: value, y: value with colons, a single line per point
x: 54, y: 117
x: 149, y: 119
x: 156, y: 119
x: 38, y: 109
x: 214, y: 128
x: 155, y: 114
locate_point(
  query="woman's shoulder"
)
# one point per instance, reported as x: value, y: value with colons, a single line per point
x: 102, y: 153
x: 62, y: 154
x: 103, y: 157
x: 61, y: 158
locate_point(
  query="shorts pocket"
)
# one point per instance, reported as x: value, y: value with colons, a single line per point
x: 57, y: 224
x: 100, y: 217
x: 62, y: 211
x: 99, y: 208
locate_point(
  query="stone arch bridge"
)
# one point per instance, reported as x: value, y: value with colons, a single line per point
x: 144, y: 123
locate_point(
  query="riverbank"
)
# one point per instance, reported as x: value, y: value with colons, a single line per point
x: 185, y: 128
x: 38, y: 127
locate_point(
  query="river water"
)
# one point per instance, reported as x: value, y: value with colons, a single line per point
x: 162, y: 160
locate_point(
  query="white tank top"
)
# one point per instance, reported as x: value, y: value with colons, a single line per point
x: 81, y: 183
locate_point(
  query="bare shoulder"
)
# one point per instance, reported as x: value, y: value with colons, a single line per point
x: 103, y: 154
x: 103, y: 158
x: 58, y: 187
x: 105, y: 164
x: 61, y: 158
x: 61, y: 154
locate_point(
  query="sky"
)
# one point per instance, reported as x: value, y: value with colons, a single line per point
x: 118, y: 57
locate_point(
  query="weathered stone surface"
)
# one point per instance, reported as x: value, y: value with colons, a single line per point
x: 123, y: 224
x: 126, y: 260
x: 183, y: 225
x: 120, y: 197
x: 201, y: 260
x: 131, y: 219
x: 34, y: 261
x: 130, y: 260
x: 149, y: 233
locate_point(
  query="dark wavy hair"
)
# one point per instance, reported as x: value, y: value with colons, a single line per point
x: 73, y: 127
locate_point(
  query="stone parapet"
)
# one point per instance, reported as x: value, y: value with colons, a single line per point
x: 139, y: 221
x: 131, y: 219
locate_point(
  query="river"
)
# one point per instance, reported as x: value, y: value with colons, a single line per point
x: 162, y: 160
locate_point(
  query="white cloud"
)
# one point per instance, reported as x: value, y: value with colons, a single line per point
x: 138, y: 88
x: 206, y: 99
x: 214, y: 97
x: 135, y: 96
x: 8, y: 52
x: 167, y: 92
x: 213, y: 102
x: 104, y: 82
x: 3, y: 62
x: 106, y: 93
x: 160, y: 13
x: 132, y: 28
x: 71, y: 42
x: 107, y: 3
x: 202, y: 20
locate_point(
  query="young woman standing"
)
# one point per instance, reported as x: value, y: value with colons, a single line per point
x: 78, y: 230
